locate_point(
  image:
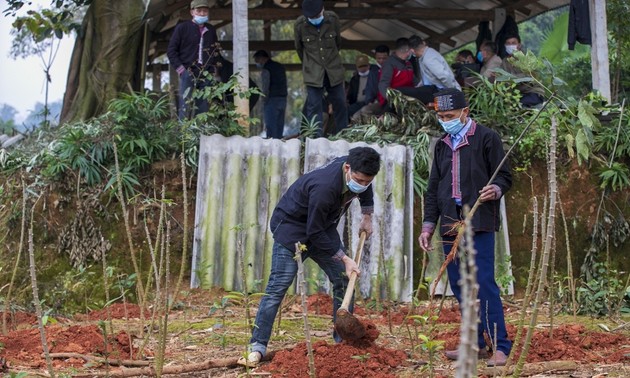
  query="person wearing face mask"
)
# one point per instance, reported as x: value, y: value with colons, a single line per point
x: 317, y: 42
x: 532, y: 94
x: 363, y: 85
x: 309, y: 213
x: 464, y: 160
x: 192, y: 52
x: 274, y: 87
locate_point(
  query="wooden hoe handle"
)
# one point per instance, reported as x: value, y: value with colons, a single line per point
x: 353, y: 276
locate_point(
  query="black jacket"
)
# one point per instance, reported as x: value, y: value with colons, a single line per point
x: 183, y: 48
x: 277, y: 76
x: 579, y: 23
x: 477, y: 156
x: 371, y: 88
x: 311, y: 209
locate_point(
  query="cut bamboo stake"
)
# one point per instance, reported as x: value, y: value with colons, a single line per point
x: 299, y: 247
x: 545, y: 259
x: 466, y: 365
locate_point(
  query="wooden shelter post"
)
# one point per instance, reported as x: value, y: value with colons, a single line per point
x: 241, y: 56
x: 599, y: 48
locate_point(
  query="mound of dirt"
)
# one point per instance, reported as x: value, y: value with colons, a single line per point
x: 19, y: 320
x: 24, y: 347
x: 569, y: 342
x: 361, y: 358
x: 322, y: 304
x: 118, y: 311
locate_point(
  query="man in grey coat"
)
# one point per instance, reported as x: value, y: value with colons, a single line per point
x: 433, y: 68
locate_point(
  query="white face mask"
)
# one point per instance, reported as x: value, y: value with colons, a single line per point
x: 510, y: 49
x: 363, y: 74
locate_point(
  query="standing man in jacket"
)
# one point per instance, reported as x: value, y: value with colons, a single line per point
x: 317, y: 41
x: 193, y: 51
x: 464, y: 159
x: 308, y: 213
x: 274, y: 87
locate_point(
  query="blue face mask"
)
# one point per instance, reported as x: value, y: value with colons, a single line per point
x: 479, y: 56
x: 316, y: 21
x: 355, y: 187
x: 453, y: 126
x: 200, y: 20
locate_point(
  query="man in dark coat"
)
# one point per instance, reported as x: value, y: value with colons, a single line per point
x: 193, y: 51
x: 464, y: 159
x: 308, y: 213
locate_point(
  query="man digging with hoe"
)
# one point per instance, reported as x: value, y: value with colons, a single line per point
x: 308, y: 213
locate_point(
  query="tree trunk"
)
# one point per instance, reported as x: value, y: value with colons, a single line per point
x: 105, y: 57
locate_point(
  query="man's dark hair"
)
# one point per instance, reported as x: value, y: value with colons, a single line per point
x: 261, y: 54
x: 489, y: 46
x: 364, y: 160
x: 466, y: 54
x: 381, y: 49
x: 513, y: 36
x: 402, y: 43
x: 415, y: 41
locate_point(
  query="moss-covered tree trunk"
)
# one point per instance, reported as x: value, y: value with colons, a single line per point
x: 105, y: 58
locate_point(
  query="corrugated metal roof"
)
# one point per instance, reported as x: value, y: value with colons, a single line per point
x: 449, y: 23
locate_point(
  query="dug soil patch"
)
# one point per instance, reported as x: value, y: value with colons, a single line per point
x: 361, y: 358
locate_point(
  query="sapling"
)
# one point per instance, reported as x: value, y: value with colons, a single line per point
x: 547, y: 247
x: 38, y: 308
x: 7, y: 302
x: 132, y: 250
x: 299, y: 248
x: 569, y: 259
x: 466, y: 365
x: 182, y: 267
x: 530, y: 283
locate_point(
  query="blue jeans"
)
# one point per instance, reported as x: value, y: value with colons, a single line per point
x: 283, y: 272
x: 273, y: 114
x: 315, y: 103
x: 188, y: 84
x: 491, y: 308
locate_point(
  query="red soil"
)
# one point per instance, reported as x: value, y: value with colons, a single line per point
x: 361, y: 358
x: 117, y: 311
x: 24, y: 347
x: 569, y: 342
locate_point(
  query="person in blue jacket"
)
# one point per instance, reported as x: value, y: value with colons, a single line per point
x: 309, y: 213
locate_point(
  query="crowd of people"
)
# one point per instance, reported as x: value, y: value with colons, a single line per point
x: 413, y: 67
x: 464, y: 159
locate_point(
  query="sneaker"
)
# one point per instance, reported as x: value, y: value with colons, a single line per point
x: 253, y: 359
x: 454, y: 354
x: 498, y: 359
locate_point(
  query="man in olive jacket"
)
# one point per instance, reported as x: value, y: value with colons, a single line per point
x: 317, y: 41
